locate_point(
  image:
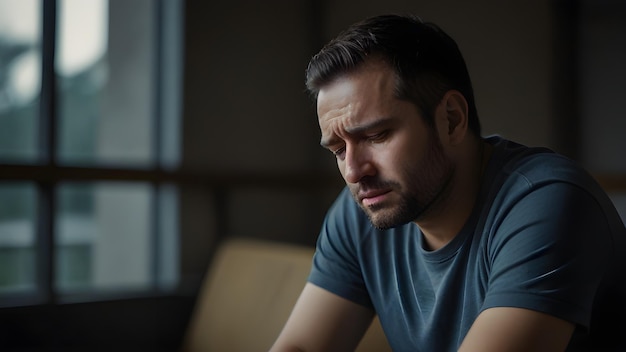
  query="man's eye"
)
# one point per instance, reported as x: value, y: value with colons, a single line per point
x: 339, y: 152
x: 378, y: 136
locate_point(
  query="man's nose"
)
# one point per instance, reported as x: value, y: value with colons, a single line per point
x: 357, y: 164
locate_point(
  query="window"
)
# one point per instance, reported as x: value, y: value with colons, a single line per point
x: 89, y: 123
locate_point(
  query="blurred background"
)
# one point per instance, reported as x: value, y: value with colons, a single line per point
x: 137, y: 135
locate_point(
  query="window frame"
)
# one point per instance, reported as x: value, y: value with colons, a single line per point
x: 47, y: 175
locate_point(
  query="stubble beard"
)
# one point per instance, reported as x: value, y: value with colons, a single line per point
x: 425, y: 184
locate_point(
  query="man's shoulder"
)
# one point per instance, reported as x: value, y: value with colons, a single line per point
x: 536, y: 166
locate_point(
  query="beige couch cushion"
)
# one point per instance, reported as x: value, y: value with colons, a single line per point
x: 248, y: 294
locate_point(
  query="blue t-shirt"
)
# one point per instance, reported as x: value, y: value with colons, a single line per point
x: 543, y: 236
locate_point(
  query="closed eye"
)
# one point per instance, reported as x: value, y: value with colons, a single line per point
x: 378, y: 137
x: 339, y: 153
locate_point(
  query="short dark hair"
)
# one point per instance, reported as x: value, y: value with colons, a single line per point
x: 426, y: 60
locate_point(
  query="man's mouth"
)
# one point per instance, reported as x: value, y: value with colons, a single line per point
x: 373, y: 197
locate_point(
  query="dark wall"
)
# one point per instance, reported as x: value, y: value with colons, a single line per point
x: 249, y: 126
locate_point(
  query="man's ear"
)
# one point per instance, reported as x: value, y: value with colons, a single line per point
x: 454, y: 116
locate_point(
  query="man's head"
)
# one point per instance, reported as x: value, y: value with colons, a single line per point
x: 392, y: 107
x: 427, y: 62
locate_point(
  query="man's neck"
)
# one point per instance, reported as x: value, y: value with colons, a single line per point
x: 447, y: 217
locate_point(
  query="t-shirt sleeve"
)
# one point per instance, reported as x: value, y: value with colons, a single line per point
x: 549, y: 252
x: 336, y: 265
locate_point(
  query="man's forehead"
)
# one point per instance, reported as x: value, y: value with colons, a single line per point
x: 356, y: 91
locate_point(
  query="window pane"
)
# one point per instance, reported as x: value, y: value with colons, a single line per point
x: 171, y: 87
x: 104, y: 237
x: 105, y: 64
x: 168, y: 244
x: 17, y: 237
x: 20, y: 79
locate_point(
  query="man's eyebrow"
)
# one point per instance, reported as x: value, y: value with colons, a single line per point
x: 369, y: 126
x: 327, y: 142
x: 356, y: 130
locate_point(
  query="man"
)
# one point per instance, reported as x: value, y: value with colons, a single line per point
x: 455, y: 241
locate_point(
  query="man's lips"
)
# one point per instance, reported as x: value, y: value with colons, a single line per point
x: 372, y: 197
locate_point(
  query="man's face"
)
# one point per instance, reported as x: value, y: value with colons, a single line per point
x: 391, y: 160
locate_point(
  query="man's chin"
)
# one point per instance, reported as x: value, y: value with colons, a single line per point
x: 384, y: 220
x: 385, y: 225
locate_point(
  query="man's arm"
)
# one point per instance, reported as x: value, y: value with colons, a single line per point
x: 323, y: 321
x: 506, y: 329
